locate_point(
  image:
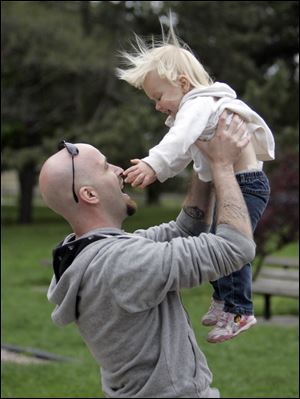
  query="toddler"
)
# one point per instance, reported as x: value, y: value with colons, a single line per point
x: 176, y: 81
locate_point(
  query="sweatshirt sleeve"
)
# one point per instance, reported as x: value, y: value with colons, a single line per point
x: 184, y: 226
x: 172, y: 155
x: 147, y: 272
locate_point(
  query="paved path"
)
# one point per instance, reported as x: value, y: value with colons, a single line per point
x: 286, y: 320
x: 8, y: 356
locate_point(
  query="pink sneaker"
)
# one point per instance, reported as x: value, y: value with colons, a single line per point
x: 213, y: 314
x: 229, y: 326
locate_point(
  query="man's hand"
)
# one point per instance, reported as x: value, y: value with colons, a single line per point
x: 227, y: 144
x: 139, y: 175
x: 223, y: 150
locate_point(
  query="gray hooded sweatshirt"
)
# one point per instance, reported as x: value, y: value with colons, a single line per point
x: 123, y: 292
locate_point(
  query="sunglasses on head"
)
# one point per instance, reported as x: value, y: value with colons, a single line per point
x: 73, y: 151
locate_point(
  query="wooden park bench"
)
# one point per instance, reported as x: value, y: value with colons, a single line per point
x: 277, y: 276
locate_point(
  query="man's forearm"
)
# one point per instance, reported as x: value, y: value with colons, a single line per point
x: 231, y: 207
x: 199, y: 200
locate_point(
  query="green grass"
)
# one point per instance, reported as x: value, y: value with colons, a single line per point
x: 260, y: 363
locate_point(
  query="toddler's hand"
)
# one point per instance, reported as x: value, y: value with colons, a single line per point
x: 139, y: 175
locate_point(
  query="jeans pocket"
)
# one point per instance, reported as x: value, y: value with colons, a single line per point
x: 256, y: 185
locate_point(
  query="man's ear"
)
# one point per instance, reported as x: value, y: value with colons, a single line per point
x: 185, y: 84
x: 88, y: 194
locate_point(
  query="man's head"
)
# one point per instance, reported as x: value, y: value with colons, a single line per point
x: 97, y: 186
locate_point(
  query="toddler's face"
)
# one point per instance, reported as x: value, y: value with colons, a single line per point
x: 166, y: 96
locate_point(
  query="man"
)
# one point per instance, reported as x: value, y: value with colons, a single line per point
x: 123, y: 290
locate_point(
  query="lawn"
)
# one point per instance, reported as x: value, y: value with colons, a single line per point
x: 260, y: 363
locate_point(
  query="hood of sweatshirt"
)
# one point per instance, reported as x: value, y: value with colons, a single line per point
x: 217, y: 89
x: 71, y: 258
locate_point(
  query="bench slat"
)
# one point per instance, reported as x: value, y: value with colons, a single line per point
x: 276, y: 273
x: 276, y: 287
x: 281, y: 261
x: 282, y: 279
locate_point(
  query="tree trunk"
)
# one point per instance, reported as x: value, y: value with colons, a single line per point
x: 86, y: 21
x: 153, y: 194
x: 27, y: 181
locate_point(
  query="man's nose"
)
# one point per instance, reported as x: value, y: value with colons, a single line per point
x: 118, y: 171
x: 158, y: 107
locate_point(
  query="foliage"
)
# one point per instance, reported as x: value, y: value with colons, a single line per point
x: 238, y: 41
x: 280, y: 222
x: 58, y: 62
x: 274, y: 95
x: 49, y: 72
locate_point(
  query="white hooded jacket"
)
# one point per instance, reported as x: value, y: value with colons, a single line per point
x: 197, y: 117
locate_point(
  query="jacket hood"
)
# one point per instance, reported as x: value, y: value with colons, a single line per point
x: 217, y: 89
x: 70, y: 260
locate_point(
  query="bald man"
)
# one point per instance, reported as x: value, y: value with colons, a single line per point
x: 123, y: 290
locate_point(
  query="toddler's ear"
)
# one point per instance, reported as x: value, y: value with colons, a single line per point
x: 185, y: 84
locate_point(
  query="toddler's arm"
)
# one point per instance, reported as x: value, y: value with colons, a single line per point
x: 139, y: 175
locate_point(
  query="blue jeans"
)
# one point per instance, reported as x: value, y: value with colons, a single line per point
x: 236, y: 289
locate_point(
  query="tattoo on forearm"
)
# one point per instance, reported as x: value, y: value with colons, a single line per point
x: 194, y: 212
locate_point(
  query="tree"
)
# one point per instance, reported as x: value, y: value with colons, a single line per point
x: 49, y: 73
x: 58, y: 80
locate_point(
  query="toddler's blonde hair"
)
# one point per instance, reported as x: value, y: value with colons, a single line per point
x: 168, y: 57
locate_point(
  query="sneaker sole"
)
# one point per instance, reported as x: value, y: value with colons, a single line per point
x: 209, y: 323
x: 218, y: 340
x: 227, y: 337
